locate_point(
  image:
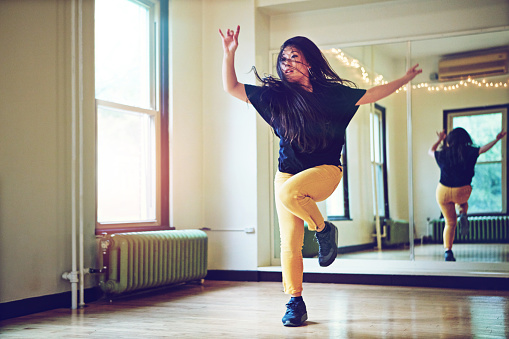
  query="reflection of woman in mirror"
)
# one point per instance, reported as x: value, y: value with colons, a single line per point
x: 456, y: 159
x: 308, y: 108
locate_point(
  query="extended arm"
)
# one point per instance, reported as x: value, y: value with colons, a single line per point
x: 381, y: 91
x: 489, y: 145
x: 441, y: 136
x: 230, y: 82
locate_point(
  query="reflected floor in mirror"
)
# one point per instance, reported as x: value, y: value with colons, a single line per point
x: 220, y: 309
x: 493, y: 253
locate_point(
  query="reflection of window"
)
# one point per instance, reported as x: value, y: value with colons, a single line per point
x: 337, y: 204
x: 489, y: 194
x: 379, y: 162
x: 129, y: 120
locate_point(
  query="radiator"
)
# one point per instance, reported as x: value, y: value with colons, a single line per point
x: 141, y: 260
x: 492, y: 229
x: 396, y: 232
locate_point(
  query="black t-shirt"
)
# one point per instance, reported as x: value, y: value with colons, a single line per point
x: 338, y: 103
x: 457, y: 175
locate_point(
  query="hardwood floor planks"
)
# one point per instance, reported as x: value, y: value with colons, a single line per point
x: 220, y: 309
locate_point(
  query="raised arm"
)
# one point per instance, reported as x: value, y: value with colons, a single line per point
x: 381, y: 91
x: 230, y: 82
x: 441, y: 136
x: 489, y: 145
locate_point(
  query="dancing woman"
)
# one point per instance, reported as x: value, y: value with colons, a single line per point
x: 308, y: 108
x: 456, y: 158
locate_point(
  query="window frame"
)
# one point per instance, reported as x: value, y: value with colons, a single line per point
x: 159, y: 95
x: 447, y: 123
x: 346, y: 203
x: 383, y: 157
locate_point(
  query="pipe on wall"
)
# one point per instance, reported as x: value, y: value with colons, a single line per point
x: 80, y: 161
x: 74, y: 276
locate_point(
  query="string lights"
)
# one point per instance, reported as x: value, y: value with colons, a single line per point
x: 449, y: 87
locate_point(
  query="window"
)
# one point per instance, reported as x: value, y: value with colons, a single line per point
x: 489, y: 194
x: 379, y: 162
x: 337, y: 204
x: 131, y: 109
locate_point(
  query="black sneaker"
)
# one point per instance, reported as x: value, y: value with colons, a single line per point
x: 449, y: 256
x: 296, y: 313
x: 463, y: 224
x: 327, y: 243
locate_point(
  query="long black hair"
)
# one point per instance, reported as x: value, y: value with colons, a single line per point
x: 455, y: 147
x: 296, y: 113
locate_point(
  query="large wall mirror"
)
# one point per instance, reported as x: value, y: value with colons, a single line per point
x: 465, y: 84
x: 391, y: 179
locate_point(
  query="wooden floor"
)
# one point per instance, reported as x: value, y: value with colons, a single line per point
x: 492, y: 253
x: 221, y: 309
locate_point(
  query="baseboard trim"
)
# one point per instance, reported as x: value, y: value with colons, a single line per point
x: 19, y: 308
x: 455, y: 282
x: 356, y: 248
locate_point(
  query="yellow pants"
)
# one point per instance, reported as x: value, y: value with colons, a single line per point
x: 448, y: 198
x: 296, y: 197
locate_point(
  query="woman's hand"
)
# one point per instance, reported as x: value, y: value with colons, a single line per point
x: 230, y: 83
x: 489, y: 145
x: 441, y: 135
x: 501, y: 134
x: 412, y: 72
x: 230, y: 40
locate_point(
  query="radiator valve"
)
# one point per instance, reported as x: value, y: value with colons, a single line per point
x: 104, y: 245
x: 71, y: 276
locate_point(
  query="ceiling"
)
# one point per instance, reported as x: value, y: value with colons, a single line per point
x: 277, y: 7
x: 438, y: 46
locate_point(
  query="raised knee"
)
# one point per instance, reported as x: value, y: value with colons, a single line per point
x: 288, y: 197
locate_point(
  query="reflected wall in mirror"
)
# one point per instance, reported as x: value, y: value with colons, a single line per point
x: 478, y: 103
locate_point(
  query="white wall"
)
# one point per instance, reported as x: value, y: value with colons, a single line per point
x: 186, y: 120
x: 35, y: 147
x: 263, y: 134
x: 229, y: 141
